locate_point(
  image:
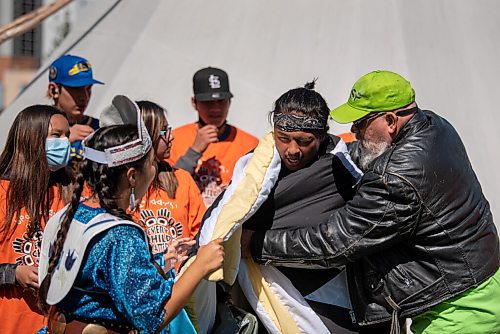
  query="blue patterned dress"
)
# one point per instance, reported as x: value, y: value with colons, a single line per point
x: 118, y: 284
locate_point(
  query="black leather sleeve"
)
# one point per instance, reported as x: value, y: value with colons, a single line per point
x: 7, y: 273
x: 384, y: 211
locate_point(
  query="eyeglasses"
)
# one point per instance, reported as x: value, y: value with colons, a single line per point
x: 360, y: 123
x: 165, y: 134
x: 370, y: 117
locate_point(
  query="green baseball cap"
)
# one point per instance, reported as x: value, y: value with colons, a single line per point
x: 376, y: 91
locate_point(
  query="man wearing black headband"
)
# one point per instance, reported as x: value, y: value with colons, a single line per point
x: 316, y: 177
x: 418, y: 238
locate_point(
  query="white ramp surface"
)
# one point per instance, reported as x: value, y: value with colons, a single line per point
x: 448, y: 49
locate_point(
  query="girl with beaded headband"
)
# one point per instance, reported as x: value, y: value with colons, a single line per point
x: 33, y: 186
x: 96, y: 269
x: 316, y: 177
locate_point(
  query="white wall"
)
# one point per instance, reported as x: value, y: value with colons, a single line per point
x: 448, y: 49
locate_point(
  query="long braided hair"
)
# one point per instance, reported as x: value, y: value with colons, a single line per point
x: 103, y: 181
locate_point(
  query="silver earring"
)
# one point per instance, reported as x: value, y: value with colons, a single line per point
x: 132, y: 200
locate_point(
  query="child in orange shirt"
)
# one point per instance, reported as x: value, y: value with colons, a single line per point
x: 96, y: 271
x: 173, y: 208
x: 209, y: 148
x: 31, y: 168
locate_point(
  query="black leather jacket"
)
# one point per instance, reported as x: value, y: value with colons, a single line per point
x: 419, y: 230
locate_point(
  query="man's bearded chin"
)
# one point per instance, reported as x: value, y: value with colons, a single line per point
x: 369, y: 151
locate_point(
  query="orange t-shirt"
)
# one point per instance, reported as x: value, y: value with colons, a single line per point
x: 347, y: 137
x: 18, y: 310
x: 165, y: 219
x: 215, y: 167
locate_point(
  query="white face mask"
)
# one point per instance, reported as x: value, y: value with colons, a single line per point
x: 57, y: 151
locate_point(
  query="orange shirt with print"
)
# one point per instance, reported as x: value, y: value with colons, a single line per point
x: 18, y: 309
x: 215, y: 167
x: 165, y: 219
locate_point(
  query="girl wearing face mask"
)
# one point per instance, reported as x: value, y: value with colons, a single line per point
x: 96, y: 271
x: 32, y: 184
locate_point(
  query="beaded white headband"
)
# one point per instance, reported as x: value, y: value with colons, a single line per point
x: 122, y: 111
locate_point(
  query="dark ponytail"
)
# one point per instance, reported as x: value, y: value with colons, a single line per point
x: 310, y: 84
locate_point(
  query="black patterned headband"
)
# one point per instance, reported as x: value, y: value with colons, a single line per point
x: 291, y: 123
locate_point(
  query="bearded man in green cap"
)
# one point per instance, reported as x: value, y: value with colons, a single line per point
x: 418, y: 238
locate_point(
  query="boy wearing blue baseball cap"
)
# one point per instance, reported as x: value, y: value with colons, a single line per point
x: 70, y: 87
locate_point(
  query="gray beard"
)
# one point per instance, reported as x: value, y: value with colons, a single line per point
x: 368, y: 154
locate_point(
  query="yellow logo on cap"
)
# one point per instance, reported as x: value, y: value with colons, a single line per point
x: 80, y: 67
